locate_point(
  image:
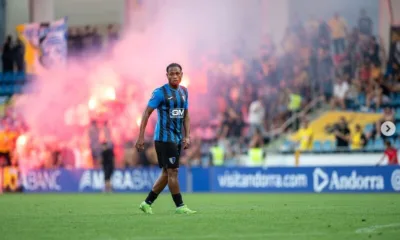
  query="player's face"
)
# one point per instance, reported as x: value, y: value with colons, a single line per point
x: 174, y: 76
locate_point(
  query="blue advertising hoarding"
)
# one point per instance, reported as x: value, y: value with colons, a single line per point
x: 306, y: 179
x: 78, y: 180
x: 222, y: 179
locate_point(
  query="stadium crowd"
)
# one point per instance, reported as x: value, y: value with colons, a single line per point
x: 315, y: 59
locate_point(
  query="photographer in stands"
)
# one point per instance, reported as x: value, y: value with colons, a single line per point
x: 342, y: 133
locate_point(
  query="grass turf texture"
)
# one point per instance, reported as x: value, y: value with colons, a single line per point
x: 220, y: 216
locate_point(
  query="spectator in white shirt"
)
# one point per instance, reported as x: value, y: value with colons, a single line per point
x: 340, y: 90
x: 256, y: 116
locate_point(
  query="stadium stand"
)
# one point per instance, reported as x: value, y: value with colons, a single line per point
x: 316, y: 61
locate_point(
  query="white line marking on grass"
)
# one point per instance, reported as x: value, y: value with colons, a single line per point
x: 373, y: 228
x: 238, y: 236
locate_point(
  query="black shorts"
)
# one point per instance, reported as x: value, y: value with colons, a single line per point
x: 168, y: 154
x: 108, y: 163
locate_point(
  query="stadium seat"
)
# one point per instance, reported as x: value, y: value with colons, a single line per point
x: 287, y: 146
x: 368, y: 128
x: 370, y: 145
x: 328, y: 146
x: 8, y: 77
x: 378, y: 144
x: 17, y: 88
x: 317, y: 146
x: 20, y: 76
x: 397, y: 115
x: 398, y: 127
x: 396, y: 99
x: 397, y: 143
x: 9, y: 89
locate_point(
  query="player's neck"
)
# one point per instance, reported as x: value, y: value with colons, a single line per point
x: 173, y: 87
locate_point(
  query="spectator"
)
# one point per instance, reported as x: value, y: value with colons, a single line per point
x: 94, y: 133
x: 257, y: 140
x: 338, y: 28
x: 7, y: 144
x: 358, y: 139
x: 294, y: 105
x: 325, y: 73
x: 365, y: 23
x: 87, y: 38
x: 7, y: 55
x: 377, y: 93
x: 324, y: 35
x: 364, y: 71
x: 112, y: 35
x: 256, y: 116
x: 340, y: 90
x: 97, y: 40
x: 355, y: 90
x: 374, y: 51
x: 78, y: 41
x: 388, y: 115
x: 342, y: 134
x: 19, y: 52
x: 71, y: 42
x: 305, y: 136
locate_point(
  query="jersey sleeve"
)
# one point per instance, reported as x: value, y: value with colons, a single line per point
x: 156, y: 99
x: 186, y: 105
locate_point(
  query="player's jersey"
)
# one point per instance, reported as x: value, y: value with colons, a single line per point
x: 170, y: 104
x: 391, y: 153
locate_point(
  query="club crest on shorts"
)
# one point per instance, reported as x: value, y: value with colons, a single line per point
x: 172, y: 160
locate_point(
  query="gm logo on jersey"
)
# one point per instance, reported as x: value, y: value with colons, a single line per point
x: 176, y: 113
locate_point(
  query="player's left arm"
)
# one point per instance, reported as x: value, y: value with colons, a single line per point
x: 186, y: 125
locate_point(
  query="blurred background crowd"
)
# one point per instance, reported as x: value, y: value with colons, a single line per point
x: 319, y: 64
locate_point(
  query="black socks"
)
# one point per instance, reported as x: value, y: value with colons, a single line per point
x: 151, y: 197
x: 177, y: 199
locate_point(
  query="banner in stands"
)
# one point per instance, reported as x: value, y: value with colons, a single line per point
x: 394, y: 55
x: 45, y: 44
x: 61, y: 180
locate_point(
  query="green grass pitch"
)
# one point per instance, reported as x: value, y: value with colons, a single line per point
x: 220, y: 216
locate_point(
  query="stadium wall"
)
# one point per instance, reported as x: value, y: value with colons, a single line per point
x: 214, y: 179
x: 314, y: 159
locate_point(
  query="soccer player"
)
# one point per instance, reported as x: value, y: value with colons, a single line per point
x: 171, y: 102
x: 391, y: 153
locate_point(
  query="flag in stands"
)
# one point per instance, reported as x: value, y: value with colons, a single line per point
x: 45, y: 44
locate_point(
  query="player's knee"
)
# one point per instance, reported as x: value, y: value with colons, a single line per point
x: 164, y: 173
x: 172, y: 172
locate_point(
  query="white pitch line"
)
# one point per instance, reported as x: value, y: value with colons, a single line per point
x: 217, y: 236
x: 239, y: 236
x: 373, y: 228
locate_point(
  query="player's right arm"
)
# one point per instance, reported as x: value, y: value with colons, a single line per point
x: 153, y: 103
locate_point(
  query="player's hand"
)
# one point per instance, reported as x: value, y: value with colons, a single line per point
x: 140, y: 144
x: 186, y: 143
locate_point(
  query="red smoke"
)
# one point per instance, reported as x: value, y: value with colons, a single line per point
x: 118, y: 83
